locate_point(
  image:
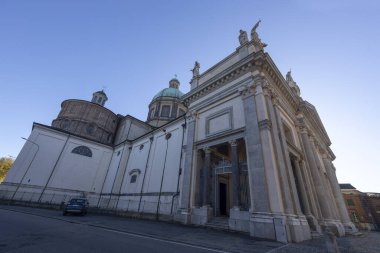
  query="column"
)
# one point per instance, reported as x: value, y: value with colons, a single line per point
x: 325, y: 209
x: 198, y: 184
x: 302, y: 187
x: 313, y: 199
x: 287, y: 188
x: 327, y: 191
x: 235, y: 175
x: 206, y: 178
x: 336, y: 190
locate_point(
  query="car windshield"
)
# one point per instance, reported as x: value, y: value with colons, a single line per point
x: 77, y: 201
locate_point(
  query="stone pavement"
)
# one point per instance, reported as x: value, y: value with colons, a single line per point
x: 368, y: 242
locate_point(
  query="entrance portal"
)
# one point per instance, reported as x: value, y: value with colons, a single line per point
x: 223, y: 198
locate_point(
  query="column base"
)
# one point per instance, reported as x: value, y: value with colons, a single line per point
x: 335, y: 226
x: 182, y: 216
x: 316, y: 230
x: 350, y: 228
x: 239, y: 220
x: 201, y: 215
x: 282, y: 228
x: 298, y: 227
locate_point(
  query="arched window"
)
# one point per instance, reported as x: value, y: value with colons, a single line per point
x: 134, y: 173
x: 82, y: 150
x: 133, y: 178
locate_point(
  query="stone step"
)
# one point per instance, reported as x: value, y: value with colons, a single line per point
x: 220, y: 223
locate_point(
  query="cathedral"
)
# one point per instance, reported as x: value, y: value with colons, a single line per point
x: 242, y: 149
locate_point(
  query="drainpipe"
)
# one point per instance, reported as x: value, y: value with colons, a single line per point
x: 122, y: 180
x: 55, y: 166
x: 105, y: 178
x: 114, y: 180
x: 146, y: 167
x: 31, y: 161
x: 180, y: 168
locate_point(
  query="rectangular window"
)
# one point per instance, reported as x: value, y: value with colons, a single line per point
x: 354, y: 217
x: 350, y: 202
x: 151, y: 113
x: 165, y: 111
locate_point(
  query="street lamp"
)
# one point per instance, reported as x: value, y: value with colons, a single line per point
x: 31, y: 161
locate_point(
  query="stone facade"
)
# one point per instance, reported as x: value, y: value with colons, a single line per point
x: 363, y: 207
x: 250, y: 152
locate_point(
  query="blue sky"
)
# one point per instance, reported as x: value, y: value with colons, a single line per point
x: 56, y: 50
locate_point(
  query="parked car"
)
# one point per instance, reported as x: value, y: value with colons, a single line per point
x: 77, y: 206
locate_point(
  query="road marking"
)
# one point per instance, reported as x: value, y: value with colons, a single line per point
x: 164, y: 240
x: 122, y: 232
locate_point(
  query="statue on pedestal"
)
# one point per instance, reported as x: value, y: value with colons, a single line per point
x: 243, y: 38
x: 195, y: 70
x: 255, y: 37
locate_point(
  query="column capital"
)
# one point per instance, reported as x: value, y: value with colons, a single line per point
x: 267, y: 89
x: 275, y: 98
x: 207, y: 150
x: 260, y: 80
x: 192, y: 115
x: 302, y: 128
x: 296, y: 158
x: 247, y: 90
x: 327, y: 156
x: 233, y: 143
x: 265, y: 124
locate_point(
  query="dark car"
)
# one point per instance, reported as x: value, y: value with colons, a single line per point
x: 76, y: 205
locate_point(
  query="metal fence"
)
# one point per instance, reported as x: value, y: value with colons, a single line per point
x: 110, y: 202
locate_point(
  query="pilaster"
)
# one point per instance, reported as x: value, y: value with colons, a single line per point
x: 183, y: 214
x: 265, y: 127
x: 256, y: 173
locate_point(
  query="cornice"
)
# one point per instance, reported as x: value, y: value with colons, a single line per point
x: 316, y: 125
x: 231, y: 73
x: 270, y: 70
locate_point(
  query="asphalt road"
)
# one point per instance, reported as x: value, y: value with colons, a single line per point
x: 25, y: 229
x: 23, y: 232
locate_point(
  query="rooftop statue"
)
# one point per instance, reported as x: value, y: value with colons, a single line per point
x: 243, y: 37
x: 292, y: 83
x: 255, y: 37
x: 289, y: 77
x: 195, y: 70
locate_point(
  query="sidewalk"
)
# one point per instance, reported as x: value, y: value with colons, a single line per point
x: 368, y: 242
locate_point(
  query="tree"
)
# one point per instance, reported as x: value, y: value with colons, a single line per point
x: 5, y: 165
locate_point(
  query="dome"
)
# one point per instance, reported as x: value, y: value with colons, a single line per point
x: 169, y: 92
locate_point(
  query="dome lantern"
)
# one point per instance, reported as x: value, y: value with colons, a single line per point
x: 99, y: 97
